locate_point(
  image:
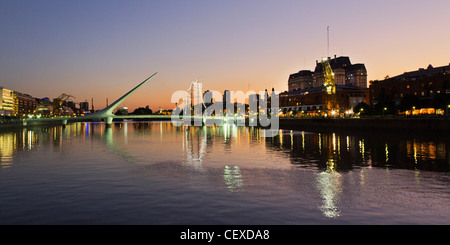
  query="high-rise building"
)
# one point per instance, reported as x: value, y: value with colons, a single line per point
x: 84, y: 106
x: 6, y: 102
x: 196, y: 97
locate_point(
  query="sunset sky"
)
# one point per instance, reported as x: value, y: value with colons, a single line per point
x: 102, y: 48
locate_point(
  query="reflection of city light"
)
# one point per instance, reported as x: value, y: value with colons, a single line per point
x: 233, y: 179
x: 125, y: 132
x: 361, y: 148
x: 425, y: 150
x: 415, y: 153
x: 292, y: 140
x: 331, y: 166
x: 329, y: 184
x: 387, y: 152
x: 30, y: 139
x: 7, y: 148
x: 334, y: 141
x: 348, y: 143
x: 303, y: 141
x: 280, y: 135
x: 86, y: 129
x: 320, y: 144
x: 195, y: 146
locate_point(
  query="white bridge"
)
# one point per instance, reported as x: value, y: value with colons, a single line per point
x: 105, y: 114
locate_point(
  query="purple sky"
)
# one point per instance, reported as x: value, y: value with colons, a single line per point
x: 101, y: 49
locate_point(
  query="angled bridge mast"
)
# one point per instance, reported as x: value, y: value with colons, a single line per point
x: 107, y: 113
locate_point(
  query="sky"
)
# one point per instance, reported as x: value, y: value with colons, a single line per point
x: 101, y: 49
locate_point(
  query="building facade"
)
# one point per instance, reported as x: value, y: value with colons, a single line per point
x: 301, y: 80
x: 24, y: 104
x: 6, y: 102
x: 428, y: 87
x: 307, y: 93
x: 345, y: 73
x: 313, y: 100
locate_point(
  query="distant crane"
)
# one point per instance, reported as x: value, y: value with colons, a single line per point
x: 57, y: 103
x: 330, y: 86
x: 328, y: 74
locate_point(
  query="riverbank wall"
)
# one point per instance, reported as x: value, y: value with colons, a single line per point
x: 382, y: 125
x: 436, y: 126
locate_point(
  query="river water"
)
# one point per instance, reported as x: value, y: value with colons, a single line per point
x: 156, y: 173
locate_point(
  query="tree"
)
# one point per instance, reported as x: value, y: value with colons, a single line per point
x: 441, y: 101
x: 384, y: 107
x: 408, y: 102
x: 142, y: 111
x: 361, y: 107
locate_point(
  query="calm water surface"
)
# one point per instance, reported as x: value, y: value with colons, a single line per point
x: 156, y: 173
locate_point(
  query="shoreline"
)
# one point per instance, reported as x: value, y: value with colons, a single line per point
x: 374, y: 125
x: 382, y: 125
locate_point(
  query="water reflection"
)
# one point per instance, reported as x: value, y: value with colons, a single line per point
x: 348, y: 151
x: 304, y: 149
x: 7, y: 144
x: 329, y: 184
x: 233, y: 179
x: 231, y: 151
x: 195, y: 145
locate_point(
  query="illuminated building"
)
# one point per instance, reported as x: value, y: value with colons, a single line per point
x: 312, y: 100
x: 423, y: 88
x: 345, y: 73
x: 196, y: 98
x: 44, y: 107
x: 6, y: 102
x: 24, y: 104
x: 308, y: 92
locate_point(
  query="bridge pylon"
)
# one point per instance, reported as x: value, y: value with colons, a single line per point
x: 107, y: 113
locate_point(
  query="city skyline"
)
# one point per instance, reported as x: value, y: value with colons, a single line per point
x: 98, y: 50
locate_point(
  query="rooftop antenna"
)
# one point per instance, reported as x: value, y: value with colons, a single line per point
x: 328, y: 41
